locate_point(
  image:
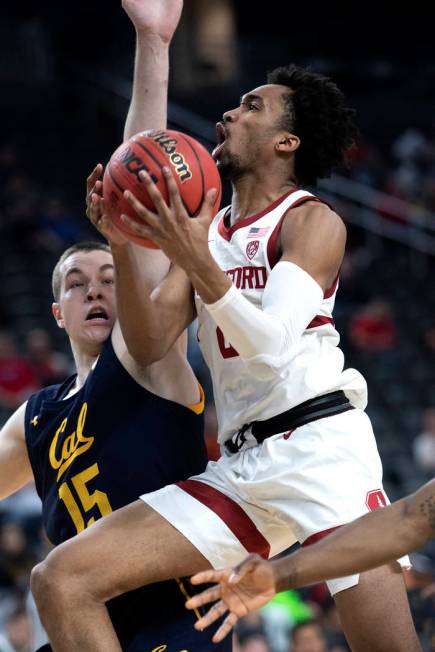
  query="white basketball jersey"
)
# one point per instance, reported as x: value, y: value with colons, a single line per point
x: 251, y: 390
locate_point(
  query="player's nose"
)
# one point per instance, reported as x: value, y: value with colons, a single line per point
x: 229, y: 116
x: 93, y: 293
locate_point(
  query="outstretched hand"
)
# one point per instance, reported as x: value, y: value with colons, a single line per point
x: 95, y: 208
x: 158, y: 17
x: 182, y: 239
x: 240, y: 590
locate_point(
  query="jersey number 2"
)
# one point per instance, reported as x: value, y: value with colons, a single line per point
x: 225, y: 347
x: 87, y: 500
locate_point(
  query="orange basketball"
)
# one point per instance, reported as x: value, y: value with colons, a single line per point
x: 192, y: 168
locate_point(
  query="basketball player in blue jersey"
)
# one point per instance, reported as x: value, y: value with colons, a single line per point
x: 299, y: 454
x: 119, y: 426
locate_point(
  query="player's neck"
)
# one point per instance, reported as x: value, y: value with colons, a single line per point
x: 251, y: 196
x: 84, y: 360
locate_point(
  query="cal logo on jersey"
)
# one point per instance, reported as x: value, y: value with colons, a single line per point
x: 62, y: 456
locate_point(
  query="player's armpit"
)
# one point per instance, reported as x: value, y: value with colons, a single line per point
x: 314, y: 238
x: 15, y: 469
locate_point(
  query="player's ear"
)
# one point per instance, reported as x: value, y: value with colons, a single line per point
x: 287, y: 143
x: 57, y: 314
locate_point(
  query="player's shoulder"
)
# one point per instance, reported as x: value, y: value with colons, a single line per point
x: 315, y: 215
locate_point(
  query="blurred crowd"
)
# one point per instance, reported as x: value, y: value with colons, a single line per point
x: 405, y: 170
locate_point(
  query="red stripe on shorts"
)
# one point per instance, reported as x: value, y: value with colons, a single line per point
x: 320, y: 535
x: 231, y: 513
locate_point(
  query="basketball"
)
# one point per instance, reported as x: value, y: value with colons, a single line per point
x: 192, y: 167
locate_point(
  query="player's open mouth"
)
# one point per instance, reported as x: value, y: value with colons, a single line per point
x: 221, y: 137
x: 97, y: 315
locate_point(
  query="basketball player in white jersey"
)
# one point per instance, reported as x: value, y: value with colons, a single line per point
x: 299, y: 458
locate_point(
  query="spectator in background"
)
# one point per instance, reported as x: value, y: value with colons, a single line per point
x: 332, y: 627
x: 424, y: 444
x: 255, y: 642
x: 17, y: 378
x: 411, y: 150
x: 308, y: 637
x: 16, y: 557
x: 19, y: 631
x: 365, y: 164
x: 50, y: 367
x: 373, y: 329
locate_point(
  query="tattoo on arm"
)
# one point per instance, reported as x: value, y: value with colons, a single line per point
x: 427, y: 508
x: 287, y: 580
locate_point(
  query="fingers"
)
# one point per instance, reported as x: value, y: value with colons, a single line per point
x: 95, y: 209
x: 209, y: 199
x: 141, y: 211
x: 210, y: 595
x: 154, y: 193
x: 207, y: 212
x: 211, y: 576
x: 93, y: 177
x: 139, y: 229
x: 98, y: 188
x: 225, y: 628
x: 245, y: 567
x: 213, y: 614
x: 175, y: 200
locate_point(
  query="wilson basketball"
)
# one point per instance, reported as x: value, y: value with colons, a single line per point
x: 192, y: 167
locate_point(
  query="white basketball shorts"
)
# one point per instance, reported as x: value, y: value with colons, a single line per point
x: 295, y: 486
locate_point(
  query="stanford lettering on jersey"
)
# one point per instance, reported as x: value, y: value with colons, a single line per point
x: 248, y: 277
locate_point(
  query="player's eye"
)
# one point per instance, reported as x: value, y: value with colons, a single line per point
x: 108, y: 281
x: 251, y: 106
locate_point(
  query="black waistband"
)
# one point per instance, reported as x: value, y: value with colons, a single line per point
x: 315, y: 408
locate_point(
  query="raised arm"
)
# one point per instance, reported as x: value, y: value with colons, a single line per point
x: 15, y: 469
x: 372, y: 540
x: 155, y: 22
x: 148, y: 332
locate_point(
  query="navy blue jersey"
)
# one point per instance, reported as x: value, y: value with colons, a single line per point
x: 99, y: 450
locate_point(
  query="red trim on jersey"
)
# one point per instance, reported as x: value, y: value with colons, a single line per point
x: 227, y: 232
x: 330, y: 291
x: 320, y: 320
x: 273, y: 253
x: 320, y: 535
x: 231, y: 513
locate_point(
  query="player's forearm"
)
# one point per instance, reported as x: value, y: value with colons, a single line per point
x: 372, y: 540
x: 138, y: 316
x: 290, y: 301
x: 209, y: 281
x: 148, y: 106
